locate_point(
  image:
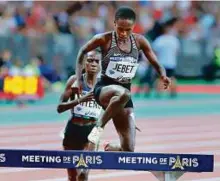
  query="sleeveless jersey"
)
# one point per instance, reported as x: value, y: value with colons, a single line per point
x: 119, y: 65
x: 87, y: 110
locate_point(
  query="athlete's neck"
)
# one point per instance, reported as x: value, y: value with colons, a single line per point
x: 122, y: 41
x: 90, y: 79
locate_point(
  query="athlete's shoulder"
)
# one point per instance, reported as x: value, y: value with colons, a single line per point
x: 103, y: 36
x: 140, y: 40
x: 139, y: 37
x: 71, y: 80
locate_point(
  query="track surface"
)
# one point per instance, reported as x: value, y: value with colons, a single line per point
x: 189, y: 124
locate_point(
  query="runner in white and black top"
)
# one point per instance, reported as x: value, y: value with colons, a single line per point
x: 120, y: 50
x: 84, y: 112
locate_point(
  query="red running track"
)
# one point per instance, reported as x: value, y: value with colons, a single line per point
x: 173, y: 135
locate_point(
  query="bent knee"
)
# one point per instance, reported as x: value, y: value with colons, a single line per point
x: 125, y: 95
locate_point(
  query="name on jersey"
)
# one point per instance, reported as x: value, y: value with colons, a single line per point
x: 91, y: 104
x: 89, y: 108
x: 123, y: 68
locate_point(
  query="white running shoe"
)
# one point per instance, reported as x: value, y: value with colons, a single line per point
x: 95, y: 135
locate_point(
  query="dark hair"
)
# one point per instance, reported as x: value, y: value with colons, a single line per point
x: 125, y: 13
x: 83, y: 70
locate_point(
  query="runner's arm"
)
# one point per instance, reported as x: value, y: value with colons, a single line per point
x: 147, y: 50
x: 64, y: 105
x: 94, y: 43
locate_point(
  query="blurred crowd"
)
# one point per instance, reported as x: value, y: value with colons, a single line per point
x: 36, y: 67
x: 83, y: 19
x: 34, y: 18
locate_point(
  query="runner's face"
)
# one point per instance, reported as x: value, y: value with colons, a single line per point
x: 92, y: 64
x: 124, y: 28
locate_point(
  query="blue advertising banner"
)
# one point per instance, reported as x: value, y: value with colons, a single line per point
x: 106, y: 160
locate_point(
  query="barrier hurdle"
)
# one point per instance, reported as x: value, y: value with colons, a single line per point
x: 166, y: 167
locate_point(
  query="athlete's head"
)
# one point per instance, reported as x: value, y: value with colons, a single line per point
x: 124, y: 22
x: 92, y: 63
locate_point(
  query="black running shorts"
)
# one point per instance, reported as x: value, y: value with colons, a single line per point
x: 105, y: 81
x: 76, y: 134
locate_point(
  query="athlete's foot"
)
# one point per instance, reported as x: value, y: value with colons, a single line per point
x: 111, y: 147
x: 94, y: 137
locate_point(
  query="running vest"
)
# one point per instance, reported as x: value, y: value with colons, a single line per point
x: 86, y: 110
x: 119, y: 65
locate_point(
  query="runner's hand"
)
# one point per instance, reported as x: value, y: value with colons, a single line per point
x: 166, y: 81
x: 87, y: 97
x: 77, y: 88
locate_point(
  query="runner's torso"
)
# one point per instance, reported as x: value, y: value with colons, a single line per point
x: 89, y: 110
x: 119, y: 65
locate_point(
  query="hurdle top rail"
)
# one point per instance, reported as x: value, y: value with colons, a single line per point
x: 166, y: 167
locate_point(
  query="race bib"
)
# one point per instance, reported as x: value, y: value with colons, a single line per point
x: 88, y: 109
x: 121, y: 71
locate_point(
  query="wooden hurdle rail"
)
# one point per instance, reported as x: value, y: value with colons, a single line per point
x: 165, y: 167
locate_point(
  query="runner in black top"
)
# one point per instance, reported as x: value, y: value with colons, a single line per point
x: 120, y: 50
